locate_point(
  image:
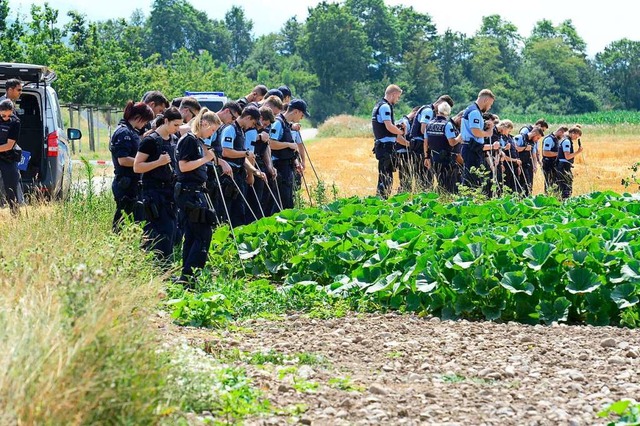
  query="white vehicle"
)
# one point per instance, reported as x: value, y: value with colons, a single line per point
x: 212, y: 100
x: 46, y: 162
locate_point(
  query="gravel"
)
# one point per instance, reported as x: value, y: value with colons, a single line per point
x: 402, y: 369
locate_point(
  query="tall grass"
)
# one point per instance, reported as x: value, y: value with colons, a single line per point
x: 345, y: 126
x: 76, y: 346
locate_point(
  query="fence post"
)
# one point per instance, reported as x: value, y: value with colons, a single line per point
x: 92, y: 141
x: 73, y: 142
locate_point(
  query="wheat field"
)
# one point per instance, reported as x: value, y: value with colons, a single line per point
x: 350, y: 164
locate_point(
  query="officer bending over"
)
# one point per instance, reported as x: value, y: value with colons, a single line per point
x: 156, y: 162
x: 196, y: 215
x: 284, y: 150
x: 241, y: 160
x: 473, y: 132
x: 550, y: 157
x: 525, y: 145
x: 439, y: 139
x: 566, y: 157
x: 124, y: 147
x: 257, y: 141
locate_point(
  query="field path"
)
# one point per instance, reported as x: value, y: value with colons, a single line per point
x: 393, y: 369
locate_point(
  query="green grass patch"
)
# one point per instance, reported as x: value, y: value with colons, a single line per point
x: 345, y: 126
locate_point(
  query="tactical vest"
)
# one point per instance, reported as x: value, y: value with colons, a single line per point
x: 561, y: 153
x: 555, y: 142
x: 163, y: 173
x: 529, y: 127
x: 260, y: 147
x: 465, y: 116
x: 379, y: 129
x: 525, y: 156
x: 286, y: 153
x: 238, y: 145
x: 437, y: 139
x: 416, y: 125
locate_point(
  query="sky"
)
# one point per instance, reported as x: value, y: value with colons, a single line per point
x: 598, y: 24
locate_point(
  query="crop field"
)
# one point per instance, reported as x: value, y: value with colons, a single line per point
x: 347, y: 162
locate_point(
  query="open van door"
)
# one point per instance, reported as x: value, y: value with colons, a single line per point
x: 28, y: 73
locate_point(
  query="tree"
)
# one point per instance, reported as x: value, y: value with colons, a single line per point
x: 381, y: 29
x: 290, y: 36
x: 619, y: 63
x: 241, y: 39
x: 335, y: 46
x: 174, y: 24
x: 452, y: 57
x: 507, y: 38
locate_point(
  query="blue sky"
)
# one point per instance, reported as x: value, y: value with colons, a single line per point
x: 597, y: 23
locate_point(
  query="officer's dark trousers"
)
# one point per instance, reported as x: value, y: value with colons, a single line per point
x: 445, y: 172
x: 197, y: 235
x: 11, y: 180
x: 550, y: 175
x: 125, y: 193
x: 160, y: 219
x: 475, y: 171
x: 254, y: 196
x: 526, y: 177
x: 510, y: 176
x: 235, y: 195
x: 285, y: 182
x: 384, y: 155
x: 565, y: 179
x: 269, y: 204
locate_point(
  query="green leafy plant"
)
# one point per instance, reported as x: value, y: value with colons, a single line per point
x: 627, y: 410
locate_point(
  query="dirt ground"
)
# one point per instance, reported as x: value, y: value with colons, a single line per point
x: 393, y: 369
x: 350, y: 164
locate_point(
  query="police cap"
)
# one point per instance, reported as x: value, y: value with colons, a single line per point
x: 300, y: 105
x: 275, y: 92
x: 285, y: 91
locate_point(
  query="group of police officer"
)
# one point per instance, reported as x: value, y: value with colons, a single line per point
x: 183, y: 169
x: 474, y: 149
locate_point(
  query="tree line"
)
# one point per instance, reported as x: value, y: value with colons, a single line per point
x: 340, y: 59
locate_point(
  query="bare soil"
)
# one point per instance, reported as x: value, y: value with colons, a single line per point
x: 402, y: 369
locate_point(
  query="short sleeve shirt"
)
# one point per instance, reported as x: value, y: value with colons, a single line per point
x: 472, y: 119
x: 190, y: 149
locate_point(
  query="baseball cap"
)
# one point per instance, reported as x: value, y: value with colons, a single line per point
x: 274, y: 92
x: 285, y: 91
x: 300, y: 105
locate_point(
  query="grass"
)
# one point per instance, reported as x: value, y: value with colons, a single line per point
x: 345, y: 126
x: 76, y: 343
x: 102, y: 134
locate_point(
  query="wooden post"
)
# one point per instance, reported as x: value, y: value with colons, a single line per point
x: 73, y: 143
x: 92, y: 141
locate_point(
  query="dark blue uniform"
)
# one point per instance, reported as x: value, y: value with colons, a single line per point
x: 384, y: 146
x: 256, y: 196
x: 283, y: 161
x: 472, y: 147
x: 10, y: 129
x: 124, y: 143
x: 526, y: 176
x: 563, y: 168
x: 416, y: 140
x: 190, y: 196
x: 160, y: 212
x: 438, y: 133
x: 549, y: 164
x: 508, y: 172
x: 232, y: 137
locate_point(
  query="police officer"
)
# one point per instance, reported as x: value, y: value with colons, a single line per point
x: 509, y: 163
x: 439, y: 139
x: 284, y: 150
x: 196, y: 215
x: 425, y: 114
x: 10, y: 154
x: 256, y: 141
x: 254, y: 97
x: 156, y: 162
x: 386, y: 134
x: 550, y: 156
x: 269, y: 201
x: 13, y: 90
x: 566, y: 156
x: 535, y: 153
x: 234, y: 151
x: 473, y: 132
x: 525, y: 144
x: 189, y: 108
x: 286, y: 93
x: 158, y: 103
x: 124, y: 147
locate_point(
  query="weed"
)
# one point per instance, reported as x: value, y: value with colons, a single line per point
x: 452, y: 378
x: 270, y: 357
x: 345, y: 384
x: 395, y: 354
x: 302, y: 385
x: 307, y: 358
